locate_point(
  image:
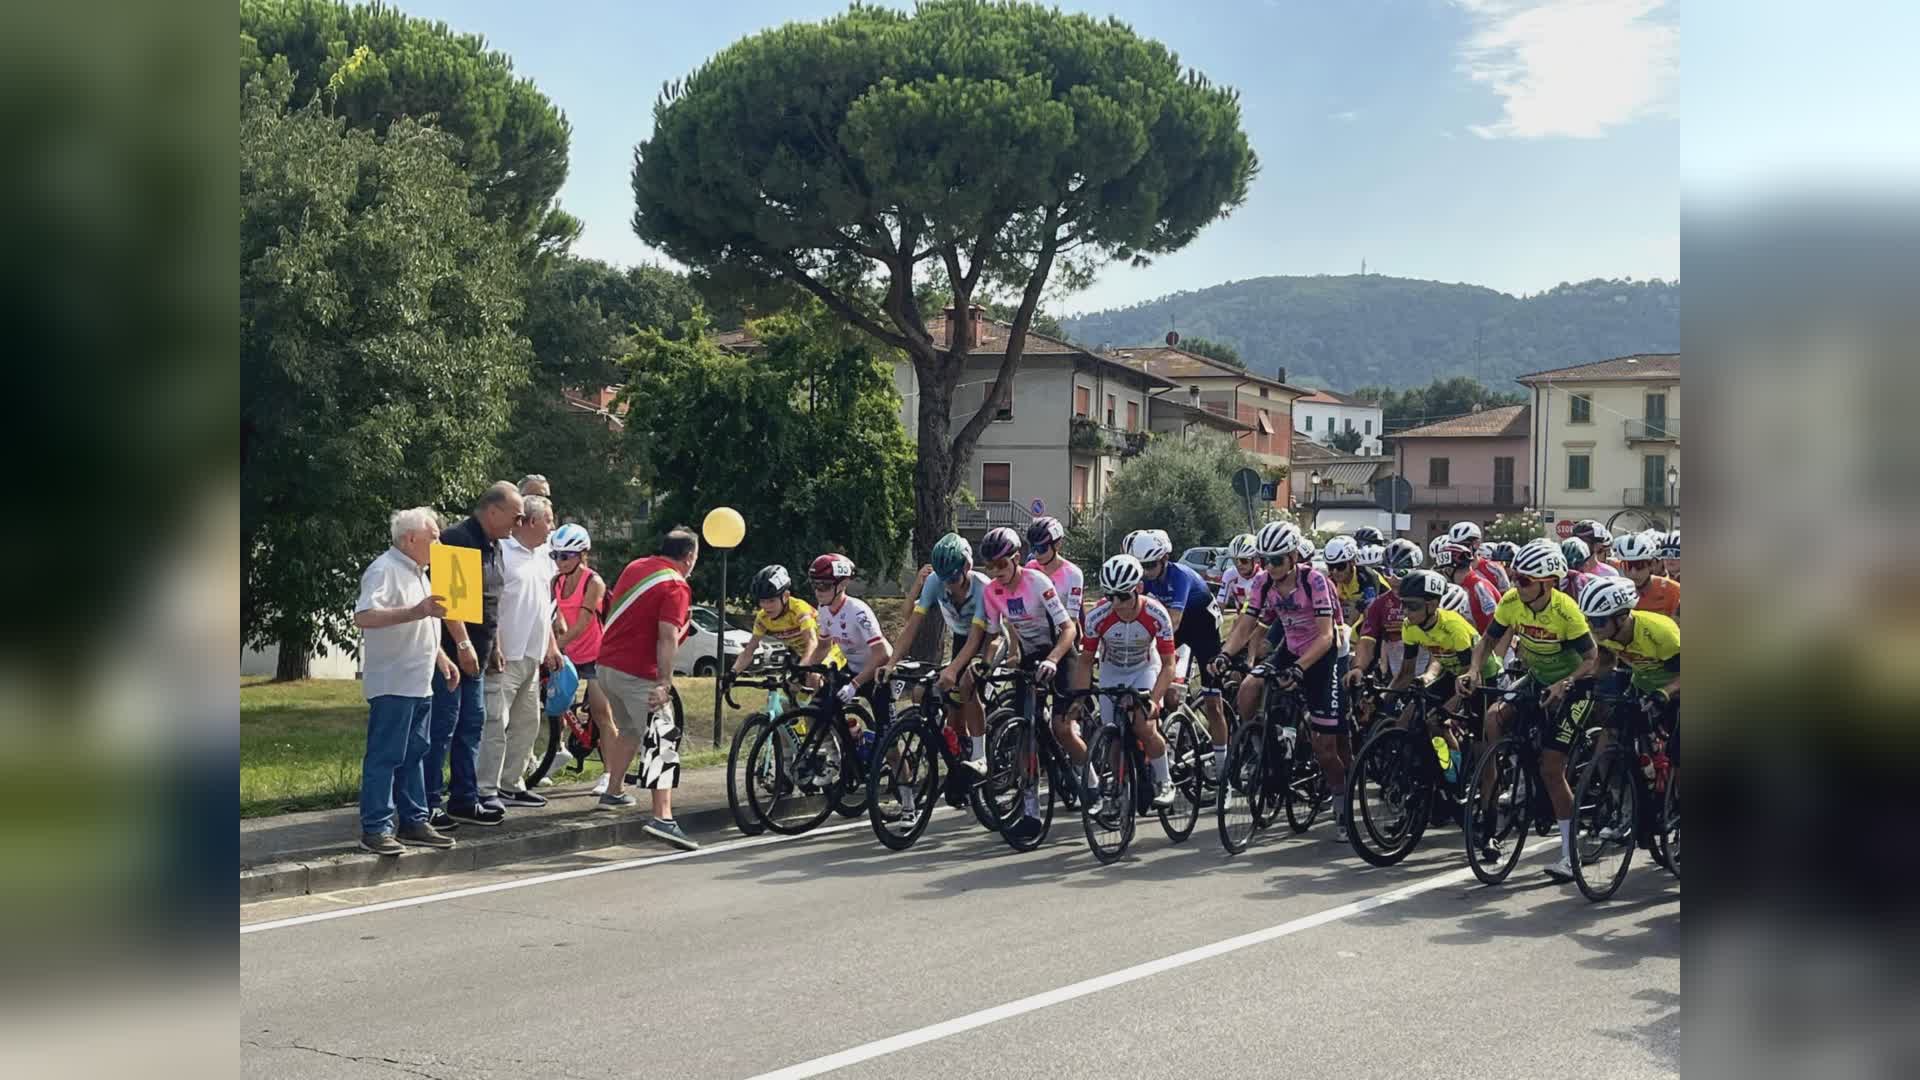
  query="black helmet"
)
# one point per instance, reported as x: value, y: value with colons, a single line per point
x: 1422, y: 585
x: 1045, y: 532
x: 1368, y: 536
x: 770, y: 582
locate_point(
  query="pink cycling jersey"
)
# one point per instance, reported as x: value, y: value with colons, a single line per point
x: 1298, y: 610
x: 1068, y: 581
x: 1031, y: 607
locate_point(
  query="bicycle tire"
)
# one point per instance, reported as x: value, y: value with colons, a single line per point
x: 1388, y: 792
x: 1306, y: 789
x: 1023, y: 770
x: 903, y: 758
x: 1487, y: 823
x: 546, y: 749
x: 1184, y: 769
x: 1111, y: 830
x: 1667, y: 837
x: 800, y: 782
x: 1242, y: 779
x: 999, y: 789
x: 744, y: 818
x: 1608, y: 798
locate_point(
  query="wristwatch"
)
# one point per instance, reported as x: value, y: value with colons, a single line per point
x: 467, y: 646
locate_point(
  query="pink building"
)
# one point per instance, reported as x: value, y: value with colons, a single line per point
x: 1464, y: 469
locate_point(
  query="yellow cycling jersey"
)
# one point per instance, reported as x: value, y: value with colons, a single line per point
x: 792, y: 627
x: 1450, y: 640
x: 1545, y: 637
x: 1653, y: 652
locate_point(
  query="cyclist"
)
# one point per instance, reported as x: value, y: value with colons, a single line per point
x: 1649, y: 643
x: 1131, y: 634
x: 1023, y: 602
x: 1196, y: 628
x: 960, y: 592
x: 1580, y: 565
x: 1367, y: 536
x: 1460, y: 568
x: 848, y: 622
x: 1434, y: 622
x: 778, y: 615
x: 1639, y: 554
x: 1379, y: 634
x: 577, y: 594
x: 1670, y: 555
x: 1238, y: 578
x: 1294, y: 604
x: 1043, y: 544
x: 1553, y: 641
x: 1599, y: 541
x: 1467, y: 534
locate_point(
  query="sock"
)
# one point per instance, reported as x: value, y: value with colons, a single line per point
x: 1162, y: 773
x: 906, y: 798
x: 978, y: 754
x: 1566, y: 839
x: 1093, y: 778
x: 1219, y: 752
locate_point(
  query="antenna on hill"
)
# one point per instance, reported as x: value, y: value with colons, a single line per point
x: 1363, y: 266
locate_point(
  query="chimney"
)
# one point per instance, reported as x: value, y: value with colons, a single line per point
x: 953, y: 318
x: 1193, y: 396
x: 1281, y: 375
x: 975, y: 315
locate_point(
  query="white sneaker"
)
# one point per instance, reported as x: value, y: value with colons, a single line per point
x: 1561, y: 871
x: 561, y: 759
x: 1164, y: 795
x: 600, y: 785
x: 546, y: 781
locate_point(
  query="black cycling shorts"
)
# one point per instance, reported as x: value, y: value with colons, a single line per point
x: 1201, y: 635
x: 1321, y: 686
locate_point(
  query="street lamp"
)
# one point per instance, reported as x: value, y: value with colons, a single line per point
x: 723, y: 529
x: 1313, y: 485
x: 1673, y: 493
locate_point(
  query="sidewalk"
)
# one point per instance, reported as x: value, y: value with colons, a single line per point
x: 319, y: 851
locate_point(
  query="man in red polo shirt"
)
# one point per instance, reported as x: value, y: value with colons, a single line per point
x: 646, y: 620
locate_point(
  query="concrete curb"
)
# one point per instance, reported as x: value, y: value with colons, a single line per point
x: 474, y: 851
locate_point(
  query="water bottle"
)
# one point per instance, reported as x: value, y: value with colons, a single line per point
x: 953, y: 740
x: 867, y: 739
x: 1662, y: 770
x: 1445, y: 754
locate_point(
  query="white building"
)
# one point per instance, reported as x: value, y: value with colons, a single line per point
x: 1323, y: 413
x: 1606, y: 441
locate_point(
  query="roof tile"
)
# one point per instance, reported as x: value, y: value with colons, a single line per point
x: 1503, y: 422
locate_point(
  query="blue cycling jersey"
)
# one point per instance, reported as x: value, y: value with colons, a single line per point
x: 1181, y: 587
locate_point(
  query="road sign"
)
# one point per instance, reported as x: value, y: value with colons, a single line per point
x: 1563, y: 528
x: 1038, y: 507
x: 1246, y: 483
x: 1269, y: 491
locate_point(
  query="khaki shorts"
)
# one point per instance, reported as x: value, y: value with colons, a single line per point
x: 659, y: 759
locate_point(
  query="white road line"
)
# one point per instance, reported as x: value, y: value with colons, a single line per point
x: 541, y: 879
x: 932, y: 1032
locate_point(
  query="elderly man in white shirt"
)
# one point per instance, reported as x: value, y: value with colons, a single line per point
x: 399, y: 621
x: 524, y: 644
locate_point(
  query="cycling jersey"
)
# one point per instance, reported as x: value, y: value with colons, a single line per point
x: 1482, y: 597
x: 1181, y: 589
x: 791, y: 627
x: 961, y: 616
x: 1069, y: 582
x: 1031, y: 607
x: 853, y: 627
x: 1653, y: 652
x: 1355, y: 594
x: 1235, y: 589
x: 1383, y: 618
x: 1450, y: 640
x: 1544, y: 639
x: 1495, y: 574
x: 1661, y: 596
x: 1129, y: 644
x: 1292, y: 615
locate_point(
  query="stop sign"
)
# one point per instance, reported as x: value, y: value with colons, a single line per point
x: 1563, y: 528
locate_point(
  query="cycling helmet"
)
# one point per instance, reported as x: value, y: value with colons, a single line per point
x: 1422, y: 585
x: 1634, y: 547
x: 1000, y: 543
x: 1368, y: 536
x: 1464, y: 532
x: 1149, y: 545
x: 1594, y: 533
x: 1605, y: 597
x: 1575, y: 551
x: 1340, y: 551
x: 1484, y: 551
x: 832, y: 566
x: 1455, y: 600
x: 1305, y: 549
x: 1434, y: 545
x: 570, y: 539
x: 1540, y: 558
x: 1452, y: 555
x: 1277, y: 538
x: 1045, y: 532
x: 1372, y: 555
x: 770, y: 582
x: 1121, y: 576
x: 1241, y: 547
x: 562, y: 686
x: 1403, y: 556
x: 1670, y: 545
x: 1504, y: 551
x: 952, y: 557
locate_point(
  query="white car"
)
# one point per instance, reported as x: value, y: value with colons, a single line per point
x: 695, y: 656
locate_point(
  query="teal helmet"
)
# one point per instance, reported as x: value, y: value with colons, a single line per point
x: 952, y: 557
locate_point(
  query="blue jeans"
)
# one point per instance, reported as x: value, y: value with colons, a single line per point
x: 459, y: 715
x: 396, y: 744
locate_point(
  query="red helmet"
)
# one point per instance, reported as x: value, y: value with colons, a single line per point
x: 832, y: 566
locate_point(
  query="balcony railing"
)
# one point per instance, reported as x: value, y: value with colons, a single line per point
x: 1667, y: 430
x: 1647, y: 497
x: 1471, y: 495
x: 1087, y: 436
x: 991, y: 515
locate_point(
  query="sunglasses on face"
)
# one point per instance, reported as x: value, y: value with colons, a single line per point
x: 1538, y: 580
x: 563, y: 556
x: 1639, y: 564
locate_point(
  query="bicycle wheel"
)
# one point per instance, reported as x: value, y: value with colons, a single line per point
x: 1388, y: 793
x: 1242, y: 783
x: 1305, y: 791
x: 904, y: 782
x: 1666, y: 838
x: 738, y: 754
x: 1605, y: 806
x: 546, y: 747
x: 1183, y: 768
x: 1028, y: 799
x: 999, y: 790
x: 1111, y: 829
x: 1498, y: 806
x: 788, y: 783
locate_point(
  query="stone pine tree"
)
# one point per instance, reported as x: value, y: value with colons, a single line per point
x: 986, y: 148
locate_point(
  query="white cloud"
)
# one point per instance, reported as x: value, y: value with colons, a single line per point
x: 1571, y: 67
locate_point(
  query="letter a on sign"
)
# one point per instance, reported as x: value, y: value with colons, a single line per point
x: 456, y: 576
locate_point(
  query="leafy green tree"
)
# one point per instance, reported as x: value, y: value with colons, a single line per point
x: 372, y: 65
x: 1346, y: 441
x: 377, y: 351
x: 991, y: 148
x: 1217, y: 350
x: 1184, y: 488
x: 803, y: 437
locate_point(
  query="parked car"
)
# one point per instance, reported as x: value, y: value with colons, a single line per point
x: 696, y: 653
x: 1210, y: 562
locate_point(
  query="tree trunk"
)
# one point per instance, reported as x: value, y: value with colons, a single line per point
x: 932, y: 497
x: 296, y: 656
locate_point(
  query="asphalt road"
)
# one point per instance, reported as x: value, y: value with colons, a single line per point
x: 961, y: 958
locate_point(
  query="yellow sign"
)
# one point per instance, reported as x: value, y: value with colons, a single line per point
x: 456, y: 579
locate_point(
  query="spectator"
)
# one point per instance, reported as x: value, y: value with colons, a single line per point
x: 524, y: 644
x: 577, y: 593
x: 399, y: 621
x: 535, y: 484
x: 643, y: 631
x: 459, y: 715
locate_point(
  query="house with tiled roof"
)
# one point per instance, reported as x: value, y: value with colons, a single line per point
x: 1262, y: 404
x: 1606, y: 441
x: 1471, y: 467
x: 1340, y: 492
x: 1323, y: 414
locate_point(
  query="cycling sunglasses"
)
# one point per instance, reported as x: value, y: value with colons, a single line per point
x: 559, y: 555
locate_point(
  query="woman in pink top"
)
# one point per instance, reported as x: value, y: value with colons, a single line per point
x: 577, y: 594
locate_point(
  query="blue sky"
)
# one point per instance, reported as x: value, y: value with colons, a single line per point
x: 1509, y: 143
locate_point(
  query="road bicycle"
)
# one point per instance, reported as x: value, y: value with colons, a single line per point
x: 1271, y: 766
x: 792, y: 786
x: 1506, y: 797
x: 923, y: 743
x: 1621, y: 800
x: 1407, y: 774
x: 782, y: 680
x: 1122, y: 787
x: 1028, y: 771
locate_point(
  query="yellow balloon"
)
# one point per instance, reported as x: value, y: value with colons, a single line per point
x: 723, y: 527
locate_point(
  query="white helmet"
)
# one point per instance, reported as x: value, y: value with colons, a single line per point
x: 1455, y: 599
x: 570, y: 538
x: 1434, y: 545
x: 1373, y: 555
x: 1277, y: 538
x: 1149, y: 545
x: 1605, y: 597
x: 1340, y: 551
x: 1121, y: 575
x: 1305, y: 548
x: 1670, y: 545
x: 1240, y: 547
x: 1464, y: 532
x: 1633, y: 547
x: 1540, y: 558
